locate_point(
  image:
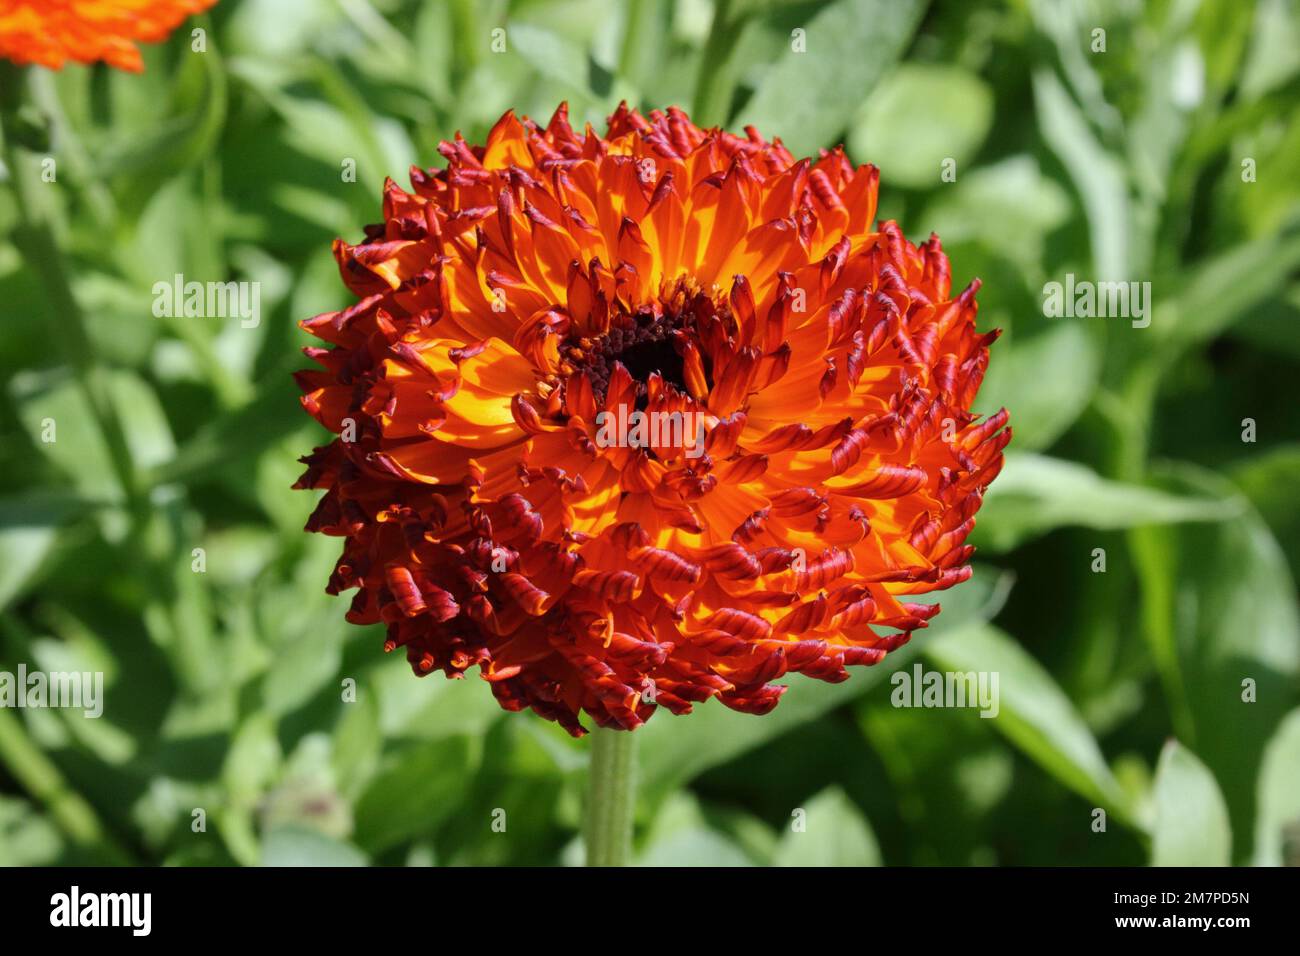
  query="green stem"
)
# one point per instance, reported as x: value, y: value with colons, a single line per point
x: 629, y: 58
x: 41, y: 778
x: 611, y: 798
x: 713, y: 87
x: 34, y: 237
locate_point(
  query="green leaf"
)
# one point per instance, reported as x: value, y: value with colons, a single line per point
x: 22, y: 549
x: 148, y: 434
x: 1045, y: 379
x: 1275, y: 56
x: 556, y: 57
x: 428, y: 709
x: 26, y: 837
x: 1008, y: 206
x: 646, y: 47
x: 252, y: 762
x: 26, y: 762
x: 303, y: 666
x: 675, y: 750
x: 1219, y: 614
x: 1191, y: 820
x: 681, y: 836
x: 1099, y: 178
x: 1034, y: 713
x: 1277, y: 824
x: 295, y: 845
x: 1271, y: 326
x: 949, y: 774
x: 328, y: 122
x: 1035, y: 494
x: 433, y: 51
x: 29, y: 527
x: 144, y: 157
x: 1269, y: 480
x: 304, y: 630
x: 694, y: 847
x: 1216, y: 293
x: 240, y: 435
x: 507, y: 812
x: 835, y: 833
x: 358, y: 741
x: 277, y: 28
x: 417, y: 791
x: 809, y: 98
x: 53, y: 410
x: 919, y: 116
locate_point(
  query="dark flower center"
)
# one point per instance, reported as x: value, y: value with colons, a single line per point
x: 643, y: 343
x: 653, y: 355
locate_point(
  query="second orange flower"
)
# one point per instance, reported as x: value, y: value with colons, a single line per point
x: 48, y: 33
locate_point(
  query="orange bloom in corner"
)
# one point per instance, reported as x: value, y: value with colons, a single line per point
x: 634, y: 421
x: 51, y: 32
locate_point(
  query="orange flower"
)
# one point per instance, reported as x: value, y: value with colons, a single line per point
x: 502, y: 508
x: 50, y: 32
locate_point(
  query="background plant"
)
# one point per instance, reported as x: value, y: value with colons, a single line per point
x: 1121, y: 689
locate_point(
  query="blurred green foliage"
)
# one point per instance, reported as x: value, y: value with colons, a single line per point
x: 1121, y: 689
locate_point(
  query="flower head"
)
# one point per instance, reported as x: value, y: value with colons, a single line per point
x: 51, y: 32
x: 524, y: 318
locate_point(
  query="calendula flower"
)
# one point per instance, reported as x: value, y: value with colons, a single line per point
x: 51, y: 32
x: 635, y: 421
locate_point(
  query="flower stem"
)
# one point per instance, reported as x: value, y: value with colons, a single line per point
x: 611, y: 798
